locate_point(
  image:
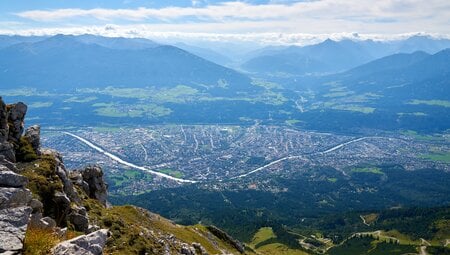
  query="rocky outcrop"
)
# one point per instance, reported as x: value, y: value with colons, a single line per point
x: 13, y: 225
x: 11, y: 179
x: 97, y: 189
x: 4, y: 129
x: 91, y: 244
x: 16, y: 117
x: 6, y: 149
x: 33, y: 134
x: 14, y: 210
x: 226, y: 238
x: 11, y: 128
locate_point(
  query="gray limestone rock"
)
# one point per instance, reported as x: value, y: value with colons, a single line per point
x: 67, y: 184
x: 8, y: 164
x: 79, y: 221
x: 91, y: 244
x: 199, y: 249
x: 4, y: 129
x: 33, y: 134
x: 36, y: 220
x: 11, y: 179
x: 13, y: 225
x: 7, y: 151
x: 93, y: 176
x: 16, y: 116
x: 14, y: 197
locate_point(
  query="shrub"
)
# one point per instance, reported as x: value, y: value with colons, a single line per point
x: 39, y: 241
x: 25, y: 152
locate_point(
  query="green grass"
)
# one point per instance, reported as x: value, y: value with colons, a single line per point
x: 333, y: 180
x: 370, y: 218
x: 279, y: 249
x: 171, y: 172
x: 418, y: 136
x: 443, y: 103
x: 179, y: 94
x: 292, y: 122
x: 132, y: 111
x: 372, y: 170
x: 262, y: 235
x: 418, y: 114
x: 25, y: 92
x: 440, y: 157
x: 266, y: 84
x: 354, y: 108
x: 370, y: 246
x: 106, y: 129
x: 80, y: 99
x: 338, y: 94
x: 40, y: 104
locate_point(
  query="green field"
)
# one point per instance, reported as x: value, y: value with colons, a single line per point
x: 135, y: 111
x: 368, y: 245
x: 80, y: 99
x: 440, y: 157
x: 171, y: 172
x: 292, y: 122
x: 443, y: 103
x: 40, y: 104
x: 354, y: 108
x: 264, y: 242
x: 262, y: 235
x: 333, y: 180
x: 372, y: 170
x: 338, y: 94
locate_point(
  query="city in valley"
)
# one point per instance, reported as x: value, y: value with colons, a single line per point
x: 235, y: 156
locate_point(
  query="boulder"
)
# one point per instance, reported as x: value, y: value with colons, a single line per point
x: 4, y: 129
x: 187, y: 250
x: 13, y: 225
x: 33, y: 134
x: 14, y: 197
x: 91, y: 244
x: 16, y: 116
x: 79, y: 221
x: 36, y: 205
x: 4, y: 162
x: 93, y: 175
x: 199, y: 249
x: 11, y: 179
x: 67, y: 184
x: 7, y: 151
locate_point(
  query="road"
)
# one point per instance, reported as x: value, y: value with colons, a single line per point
x: 126, y: 163
x: 339, y: 146
x: 180, y: 180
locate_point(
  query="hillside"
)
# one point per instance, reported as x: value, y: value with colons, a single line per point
x: 69, y: 62
x: 46, y: 209
x: 332, y: 56
x: 328, y: 56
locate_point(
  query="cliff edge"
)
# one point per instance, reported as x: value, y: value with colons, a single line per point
x: 47, y: 209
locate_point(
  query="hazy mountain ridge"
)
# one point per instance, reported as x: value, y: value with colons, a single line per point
x: 66, y: 62
x: 337, y: 56
x: 403, y: 76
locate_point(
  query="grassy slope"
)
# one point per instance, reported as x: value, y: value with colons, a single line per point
x: 133, y: 229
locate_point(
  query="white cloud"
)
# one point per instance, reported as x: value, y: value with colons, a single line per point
x: 323, y: 9
x: 306, y: 17
x: 161, y: 34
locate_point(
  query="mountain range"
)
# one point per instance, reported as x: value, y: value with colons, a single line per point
x: 72, y: 62
x: 335, y: 56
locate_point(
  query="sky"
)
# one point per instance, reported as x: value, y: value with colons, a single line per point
x: 269, y: 21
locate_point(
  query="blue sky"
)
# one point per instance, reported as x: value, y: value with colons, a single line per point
x: 276, y: 20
